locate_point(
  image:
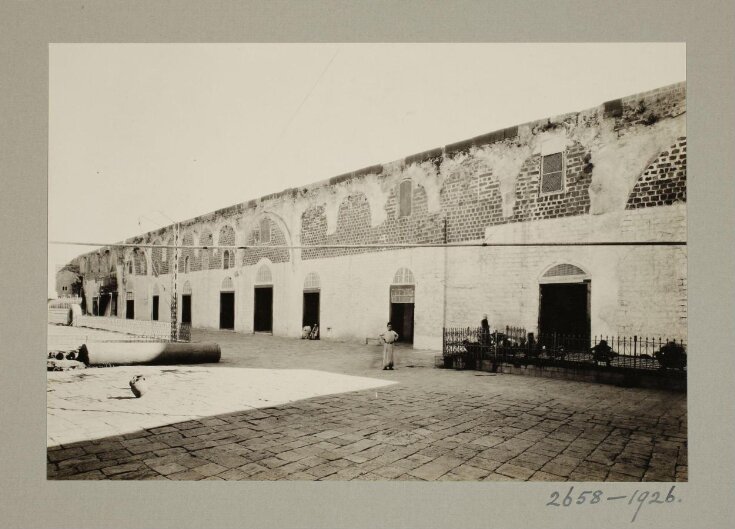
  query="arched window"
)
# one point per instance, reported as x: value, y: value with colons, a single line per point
x: 226, y: 236
x: 227, y: 285
x: 130, y: 267
x: 403, y: 276
x: 312, y: 281
x: 187, y: 265
x: 264, y: 277
x: 405, y: 198
x: 226, y: 259
x: 564, y: 273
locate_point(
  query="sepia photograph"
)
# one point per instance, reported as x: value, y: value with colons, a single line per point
x: 337, y: 264
x: 369, y: 262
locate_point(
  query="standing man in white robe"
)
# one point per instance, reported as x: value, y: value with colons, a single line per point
x: 388, y: 338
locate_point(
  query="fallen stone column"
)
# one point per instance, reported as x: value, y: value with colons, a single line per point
x: 131, y: 353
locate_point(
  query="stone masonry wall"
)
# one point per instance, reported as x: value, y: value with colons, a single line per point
x: 621, y: 159
x: 276, y: 255
x: 531, y: 205
x: 354, y: 226
x: 664, y: 181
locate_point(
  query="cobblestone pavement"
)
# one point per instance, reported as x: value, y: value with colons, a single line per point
x: 433, y: 424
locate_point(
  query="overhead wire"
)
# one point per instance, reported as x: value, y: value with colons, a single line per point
x: 373, y: 245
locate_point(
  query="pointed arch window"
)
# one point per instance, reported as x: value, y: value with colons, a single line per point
x: 403, y: 276
x: 227, y: 285
x: 264, y: 277
x: 228, y: 259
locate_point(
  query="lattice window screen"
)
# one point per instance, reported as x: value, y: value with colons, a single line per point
x: 552, y: 174
x: 403, y: 276
x: 564, y: 270
x: 227, y: 284
x: 312, y: 281
x: 263, y: 275
x: 187, y: 288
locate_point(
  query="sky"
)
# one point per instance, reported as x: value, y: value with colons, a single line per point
x: 141, y: 135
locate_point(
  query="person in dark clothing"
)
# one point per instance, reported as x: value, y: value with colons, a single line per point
x: 485, y: 343
x: 485, y: 331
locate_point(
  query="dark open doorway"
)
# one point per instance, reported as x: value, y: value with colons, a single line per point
x: 104, y: 303
x: 130, y: 309
x: 226, y: 310
x: 402, y: 311
x: 263, y: 312
x: 154, y: 312
x: 564, y: 309
x: 311, y: 310
x: 186, y: 308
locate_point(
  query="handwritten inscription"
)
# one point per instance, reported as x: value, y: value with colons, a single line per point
x: 591, y: 497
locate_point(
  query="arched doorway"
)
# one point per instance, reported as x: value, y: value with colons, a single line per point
x: 186, y: 303
x: 312, y: 289
x: 227, y: 304
x: 263, y: 305
x: 402, y: 303
x: 564, y: 302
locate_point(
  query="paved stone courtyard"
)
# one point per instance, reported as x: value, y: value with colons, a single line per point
x: 431, y: 424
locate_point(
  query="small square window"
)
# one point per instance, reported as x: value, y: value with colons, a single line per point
x: 552, y: 173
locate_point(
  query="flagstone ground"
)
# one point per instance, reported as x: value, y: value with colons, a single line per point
x: 426, y: 424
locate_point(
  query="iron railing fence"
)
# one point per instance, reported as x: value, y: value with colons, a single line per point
x: 64, y: 303
x: 142, y: 330
x: 73, y: 341
x: 468, y: 347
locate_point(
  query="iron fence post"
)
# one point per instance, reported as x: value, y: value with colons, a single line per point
x: 635, y: 351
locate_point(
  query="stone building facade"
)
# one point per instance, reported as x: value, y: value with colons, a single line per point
x: 614, y: 173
